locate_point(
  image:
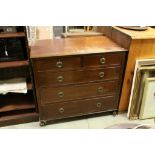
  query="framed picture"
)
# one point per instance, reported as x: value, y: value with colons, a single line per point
x: 135, y: 104
x: 143, y: 69
x: 148, y: 101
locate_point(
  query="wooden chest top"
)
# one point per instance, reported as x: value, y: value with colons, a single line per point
x: 146, y: 34
x: 73, y: 46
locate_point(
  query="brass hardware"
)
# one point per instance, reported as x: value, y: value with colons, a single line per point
x: 43, y: 123
x: 60, y: 78
x: 101, y: 74
x: 61, y: 94
x: 102, y: 60
x: 59, y: 64
x: 98, y: 105
x: 100, y: 89
x: 114, y: 113
x: 61, y: 110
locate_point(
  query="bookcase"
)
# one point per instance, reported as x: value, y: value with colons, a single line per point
x: 16, y: 108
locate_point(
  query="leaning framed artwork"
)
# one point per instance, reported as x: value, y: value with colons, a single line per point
x: 143, y: 69
x: 148, y: 100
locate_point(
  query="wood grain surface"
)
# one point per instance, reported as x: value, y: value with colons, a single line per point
x: 76, y: 76
x: 141, y: 45
x: 73, y: 46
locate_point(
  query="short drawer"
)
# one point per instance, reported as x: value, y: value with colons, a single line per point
x: 103, y: 59
x: 77, y: 108
x: 58, y: 63
x: 72, y: 92
x: 48, y: 78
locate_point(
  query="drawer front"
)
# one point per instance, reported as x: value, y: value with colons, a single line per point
x: 57, y: 78
x: 103, y: 59
x: 72, y: 92
x: 77, y: 108
x: 58, y: 63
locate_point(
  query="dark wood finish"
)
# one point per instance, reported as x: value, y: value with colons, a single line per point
x: 29, y: 86
x: 58, y: 63
x: 104, y: 29
x: 17, y: 106
x: 114, y: 34
x: 74, y: 46
x: 12, y: 35
x: 78, y: 108
x: 17, y: 101
x: 15, y: 72
x: 14, y: 107
x: 49, y: 78
x: 59, y: 94
x: 103, y: 59
x: 13, y: 64
x: 93, y: 74
x: 19, y: 118
x: 124, y: 41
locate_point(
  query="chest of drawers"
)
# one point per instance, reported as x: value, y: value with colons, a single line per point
x: 75, y: 84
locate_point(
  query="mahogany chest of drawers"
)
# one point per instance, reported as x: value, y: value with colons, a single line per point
x: 77, y: 76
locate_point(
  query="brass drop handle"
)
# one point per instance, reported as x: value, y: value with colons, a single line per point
x: 61, y: 110
x: 98, y: 105
x: 101, y: 74
x: 100, y: 89
x: 59, y: 64
x: 60, y: 78
x: 61, y: 94
x: 102, y: 60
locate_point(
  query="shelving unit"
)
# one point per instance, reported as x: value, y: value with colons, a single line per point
x: 20, y: 102
x: 12, y: 35
x: 12, y: 64
x: 17, y: 108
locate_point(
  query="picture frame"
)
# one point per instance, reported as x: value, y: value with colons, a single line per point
x: 148, y: 101
x: 143, y: 69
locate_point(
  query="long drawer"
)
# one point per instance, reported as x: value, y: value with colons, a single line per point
x: 48, y: 78
x: 104, y: 59
x: 58, y: 63
x: 72, y: 92
x: 77, y: 108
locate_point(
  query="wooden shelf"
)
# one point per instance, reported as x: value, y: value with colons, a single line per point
x: 19, y: 118
x: 12, y: 35
x: 12, y: 64
x: 15, y: 101
x: 29, y: 86
x: 16, y: 108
